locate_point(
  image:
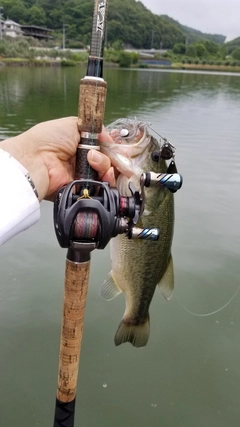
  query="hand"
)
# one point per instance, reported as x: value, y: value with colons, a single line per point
x: 48, y: 150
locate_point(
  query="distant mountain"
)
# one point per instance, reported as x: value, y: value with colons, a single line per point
x: 129, y: 22
x: 192, y: 35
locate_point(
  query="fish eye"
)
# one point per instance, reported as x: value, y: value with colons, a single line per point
x: 156, y: 156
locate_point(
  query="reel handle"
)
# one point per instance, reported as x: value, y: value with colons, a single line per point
x: 172, y: 181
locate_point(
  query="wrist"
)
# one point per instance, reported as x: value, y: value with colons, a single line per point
x: 21, y: 149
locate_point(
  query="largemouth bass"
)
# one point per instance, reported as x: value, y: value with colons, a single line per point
x: 138, y: 266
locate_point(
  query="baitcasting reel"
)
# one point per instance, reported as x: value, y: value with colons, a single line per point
x: 81, y: 219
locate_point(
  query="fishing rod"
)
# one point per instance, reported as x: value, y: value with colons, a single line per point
x: 87, y: 214
x: 81, y: 222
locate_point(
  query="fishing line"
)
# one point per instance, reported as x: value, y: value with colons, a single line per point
x: 162, y: 137
x: 207, y: 314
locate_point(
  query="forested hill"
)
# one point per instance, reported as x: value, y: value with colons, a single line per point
x: 195, y: 35
x: 233, y: 44
x: 129, y: 22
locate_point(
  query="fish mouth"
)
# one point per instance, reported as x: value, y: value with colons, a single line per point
x: 130, y: 146
x: 128, y: 131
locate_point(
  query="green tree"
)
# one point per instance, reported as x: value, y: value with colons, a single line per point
x: 232, y: 45
x: 117, y: 45
x: 191, y: 51
x: 236, y: 54
x: 135, y: 58
x: 114, y: 31
x: 179, y: 49
x: 125, y: 59
x: 223, y: 51
x: 211, y: 47
x: 200, y: 50
x: 37, y: 16
x: 3, y: 47
x: 15, y: 10
x: 55, y: 19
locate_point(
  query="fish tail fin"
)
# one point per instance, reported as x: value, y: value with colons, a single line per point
x: 136, y: 334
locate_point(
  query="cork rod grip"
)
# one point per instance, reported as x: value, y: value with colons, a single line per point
x: 75, y: 295
x: 91, y: 108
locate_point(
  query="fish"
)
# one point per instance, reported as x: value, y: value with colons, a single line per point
x: 139, y: 266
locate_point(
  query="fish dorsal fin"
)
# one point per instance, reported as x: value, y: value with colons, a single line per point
x: 109, y: 289
x: 166, y: 283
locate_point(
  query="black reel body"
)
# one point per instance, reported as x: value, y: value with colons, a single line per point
x: 84, y: 218
x: 88, y: 212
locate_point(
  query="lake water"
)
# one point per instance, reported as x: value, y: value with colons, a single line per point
x: 189, y: 373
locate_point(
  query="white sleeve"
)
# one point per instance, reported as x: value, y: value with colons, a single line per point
x: 19, y: 206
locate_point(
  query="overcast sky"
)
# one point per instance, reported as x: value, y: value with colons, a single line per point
x: 210, y: 16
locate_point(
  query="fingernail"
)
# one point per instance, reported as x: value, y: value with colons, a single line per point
x: 95, y: 156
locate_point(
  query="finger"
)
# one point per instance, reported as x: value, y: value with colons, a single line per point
x: 109, y: 176
x: 99, y: 162
x: 104, y: 136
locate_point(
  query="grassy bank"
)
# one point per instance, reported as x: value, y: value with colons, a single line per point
x: 51, y: 62
x: 204, y: 57
x: 26, y: 62
x: 206, y: 67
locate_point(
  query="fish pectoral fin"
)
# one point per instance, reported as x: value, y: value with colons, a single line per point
x: 166, y: 283
x: 109, y: 289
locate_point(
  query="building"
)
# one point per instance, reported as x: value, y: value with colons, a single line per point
x: 11, y: 28
x: 39, y: 33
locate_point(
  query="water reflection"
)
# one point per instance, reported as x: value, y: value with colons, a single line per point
x: 57, y: 91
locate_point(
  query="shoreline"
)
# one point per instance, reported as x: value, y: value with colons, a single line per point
x: 206, y: 67
x: 24, y: 62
